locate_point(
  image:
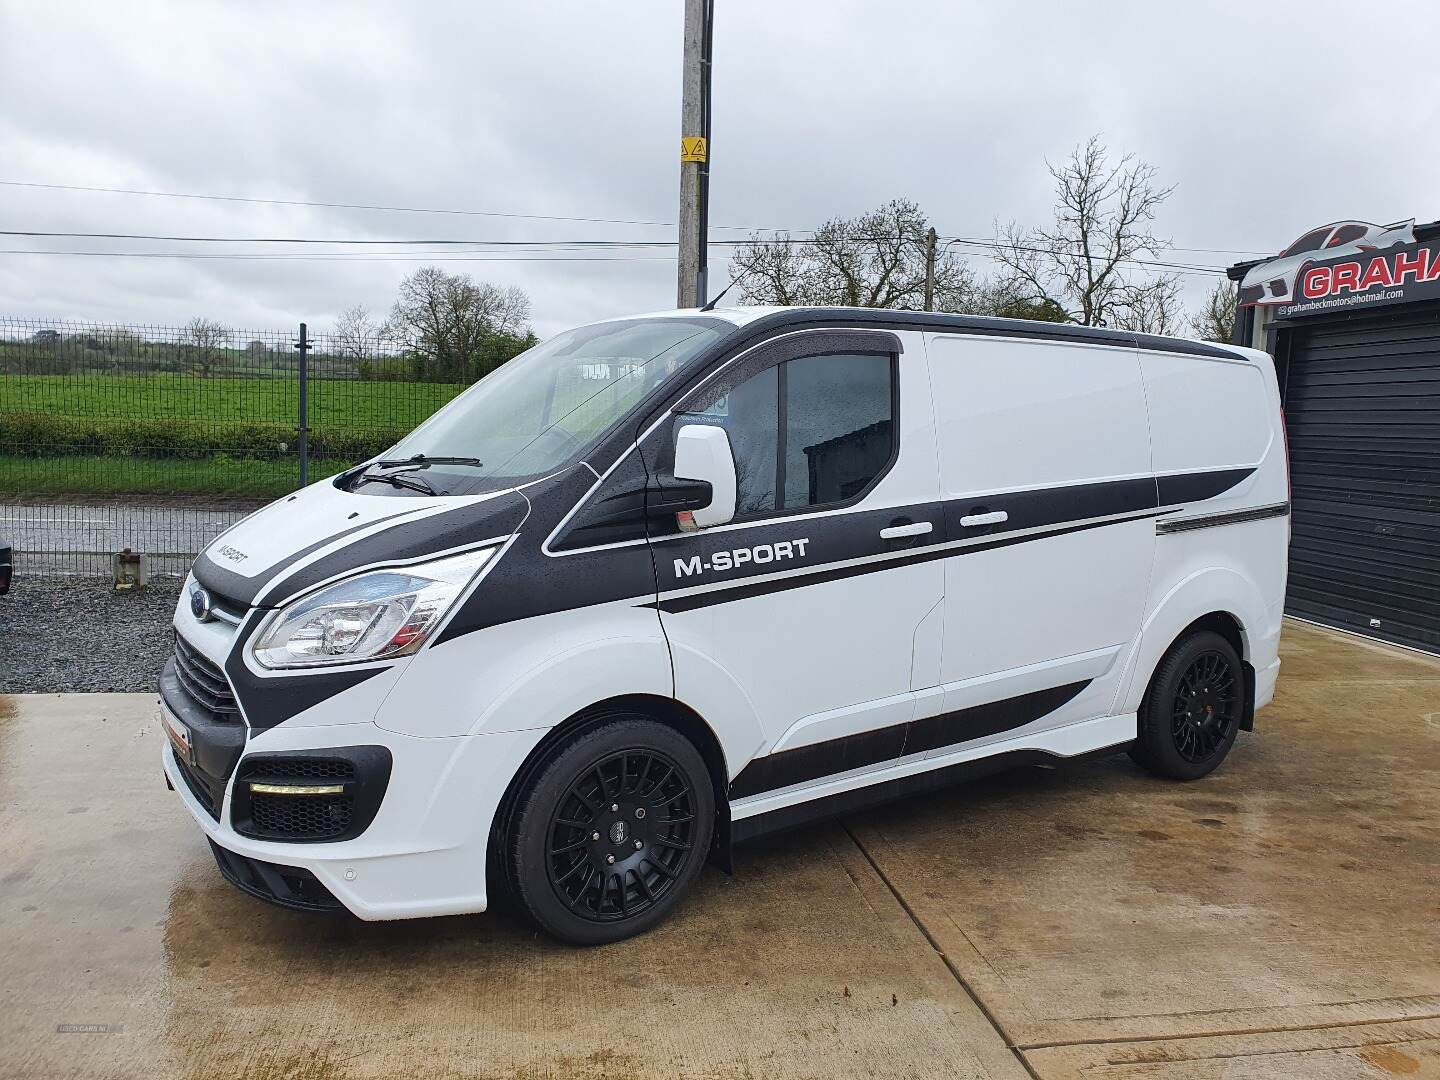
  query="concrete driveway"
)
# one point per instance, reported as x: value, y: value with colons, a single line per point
x: 1278, y: 919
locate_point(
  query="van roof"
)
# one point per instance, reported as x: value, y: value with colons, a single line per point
x: 891, y: 318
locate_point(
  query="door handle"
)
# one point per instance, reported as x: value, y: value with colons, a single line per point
x: 897, y: 532
x: 992, y: 517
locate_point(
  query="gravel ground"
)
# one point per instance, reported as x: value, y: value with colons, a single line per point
x: 61, y: 635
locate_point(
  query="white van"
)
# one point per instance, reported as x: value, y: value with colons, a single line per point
x: 667, y: 582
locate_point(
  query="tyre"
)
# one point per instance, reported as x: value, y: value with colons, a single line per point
x: 1191, y: 711
x: 612, y: 832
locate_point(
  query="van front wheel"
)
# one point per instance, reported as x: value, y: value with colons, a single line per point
x: 612, y: 832
x: 1191, y: 712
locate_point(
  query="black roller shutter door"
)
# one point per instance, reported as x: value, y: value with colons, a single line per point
x: 1362, y: 407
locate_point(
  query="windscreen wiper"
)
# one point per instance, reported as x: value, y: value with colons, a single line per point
x: 424, y: 459
x: 412, y: 483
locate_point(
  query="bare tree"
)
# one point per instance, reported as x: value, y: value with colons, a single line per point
x: 1216, y: 321
x: 1084, y: 261
x: 1155, y: 307
x: 458, y: 329
x: 875, y: 260
x: 356, y: 334
x: 203, y: 342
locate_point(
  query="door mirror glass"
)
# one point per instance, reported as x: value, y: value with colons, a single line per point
x: 702, y: 454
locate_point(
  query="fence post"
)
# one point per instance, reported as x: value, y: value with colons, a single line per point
x: 304, y: 346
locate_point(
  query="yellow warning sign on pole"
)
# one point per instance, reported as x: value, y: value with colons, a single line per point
x: 692, y: 149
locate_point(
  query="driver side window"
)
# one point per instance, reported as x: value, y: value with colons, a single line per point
x: 807, y: 433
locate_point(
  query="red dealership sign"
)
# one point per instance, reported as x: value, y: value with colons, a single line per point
x: 1345, y: 264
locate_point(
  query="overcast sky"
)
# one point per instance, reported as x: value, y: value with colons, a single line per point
x: 1270, y: 118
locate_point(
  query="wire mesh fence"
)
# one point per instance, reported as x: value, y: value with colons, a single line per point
x: 158, y: 438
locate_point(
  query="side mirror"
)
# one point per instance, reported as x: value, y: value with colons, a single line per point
x: 702, y: 454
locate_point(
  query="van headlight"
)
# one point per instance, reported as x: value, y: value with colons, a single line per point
x: 371, y: 616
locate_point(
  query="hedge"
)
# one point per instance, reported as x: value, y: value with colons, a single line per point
x: 43, y: 435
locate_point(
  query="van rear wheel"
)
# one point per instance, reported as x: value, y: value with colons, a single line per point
x: 612, y: 832
x: 1190, y: 716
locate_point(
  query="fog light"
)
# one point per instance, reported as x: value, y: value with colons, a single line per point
x: 297, y: 789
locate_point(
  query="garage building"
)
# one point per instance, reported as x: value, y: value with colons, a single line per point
x: 1351, y: 313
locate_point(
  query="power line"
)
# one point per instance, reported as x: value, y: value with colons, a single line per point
x: 471, y: 213
x: 324, y: 240
x: 572, y: 245
x: 341, y: 257
x: 357, y: 206
x: 475, y: 257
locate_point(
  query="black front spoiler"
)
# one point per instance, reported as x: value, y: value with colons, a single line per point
x: 286, y: 886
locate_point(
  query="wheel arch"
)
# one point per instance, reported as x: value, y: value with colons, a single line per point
x: 1216, y: 598
x: 663, y: 710
x: 1229, y: 627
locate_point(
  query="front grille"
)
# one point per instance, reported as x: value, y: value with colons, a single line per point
x: 204, y: 682
x: 301, y: 817
x: 207, y: 798
x: 298, y: 768
x: 227, y: 610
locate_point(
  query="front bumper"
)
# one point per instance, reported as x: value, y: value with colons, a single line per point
x: 424, y: 853
x: 287, y: 886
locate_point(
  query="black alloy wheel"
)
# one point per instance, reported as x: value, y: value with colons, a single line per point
x: 1191, y: 713
x: 1207, y: 707
x: 622, y: 834
x: 612, y: 831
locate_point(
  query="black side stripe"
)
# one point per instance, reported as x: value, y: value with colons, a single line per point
x: 806, y: 763
x: 1233, y: 517
x: 678, y: 604
x: 1193, y: 487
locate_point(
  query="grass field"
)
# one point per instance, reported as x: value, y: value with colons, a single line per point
x: 192, y: 397
x: 348, y: 405
x: 183, y: 434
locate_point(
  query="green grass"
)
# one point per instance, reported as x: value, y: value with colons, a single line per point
x: 349, y: 406
x: 163, y: 395
x: 218, y: 477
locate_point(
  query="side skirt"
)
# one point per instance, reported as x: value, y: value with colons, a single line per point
x: 862, y: 798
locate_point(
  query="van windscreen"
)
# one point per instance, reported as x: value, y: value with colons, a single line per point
x: 548, y: 406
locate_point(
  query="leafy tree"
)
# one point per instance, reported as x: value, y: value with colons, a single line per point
x: 455, y: 329
x: 1008, y: 299
x: 875, y: 260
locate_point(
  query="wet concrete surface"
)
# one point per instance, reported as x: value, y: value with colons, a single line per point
x: 1278, y: 919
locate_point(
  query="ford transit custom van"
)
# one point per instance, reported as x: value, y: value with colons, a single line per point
x: 664, y: 583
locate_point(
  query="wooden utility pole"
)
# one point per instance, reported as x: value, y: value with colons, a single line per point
x: 694, y: 154
x: 930, y: 270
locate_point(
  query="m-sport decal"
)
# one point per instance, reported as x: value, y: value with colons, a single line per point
x: 734, y: 558
x: 835, y: 547
x: 819, y: 760
x: 746, y: 590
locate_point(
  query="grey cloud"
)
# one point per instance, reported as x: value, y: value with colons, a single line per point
x: 1264, y: 116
